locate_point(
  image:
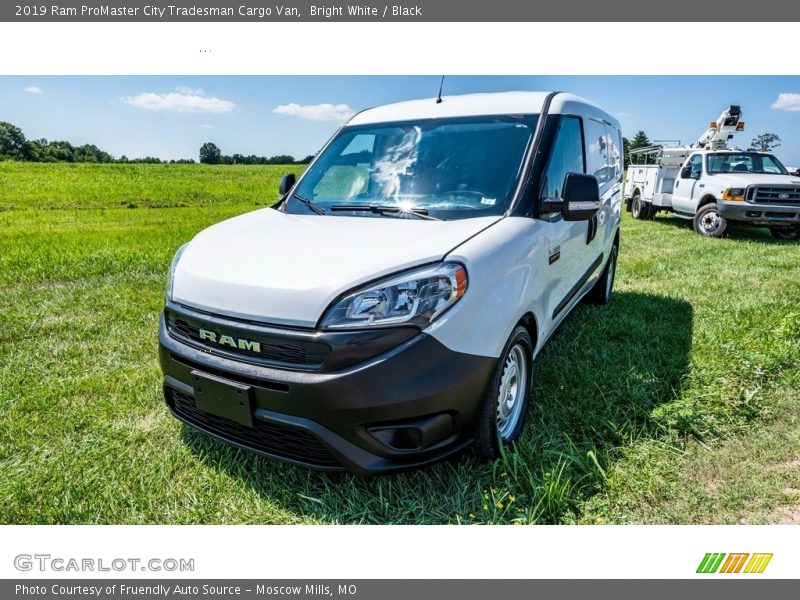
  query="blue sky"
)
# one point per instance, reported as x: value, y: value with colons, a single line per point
x: 171, y: 117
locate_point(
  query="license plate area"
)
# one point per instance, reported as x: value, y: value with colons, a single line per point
x: 223, y: 398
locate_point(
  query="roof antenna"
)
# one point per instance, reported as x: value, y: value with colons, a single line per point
x: 439, y: 97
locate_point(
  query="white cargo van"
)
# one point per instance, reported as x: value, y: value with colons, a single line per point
x: 387, y: 311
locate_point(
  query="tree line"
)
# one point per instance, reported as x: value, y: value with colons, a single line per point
x: 210, y: 154
x: 15, y: 146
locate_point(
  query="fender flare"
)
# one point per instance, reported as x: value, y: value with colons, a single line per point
x: 707, y: 199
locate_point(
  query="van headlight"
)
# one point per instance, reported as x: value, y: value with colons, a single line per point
x: 172, y: 267
x: 415, y: 297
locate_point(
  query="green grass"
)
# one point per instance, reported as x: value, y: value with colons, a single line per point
x: 64, y: 185
x: 676, y: 403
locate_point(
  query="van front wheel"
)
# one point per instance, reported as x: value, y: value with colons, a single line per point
x: 505, y: 404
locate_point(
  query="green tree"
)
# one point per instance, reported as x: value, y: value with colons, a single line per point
x: 640, y: 140
x: 210, y: 154
x: 13, y: 144
x: 626, y: 148
x: 281, y: 159
x: 766, y: 142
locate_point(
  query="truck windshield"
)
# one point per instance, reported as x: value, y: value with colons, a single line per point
x: 451, y: 168
x: 745, y: 162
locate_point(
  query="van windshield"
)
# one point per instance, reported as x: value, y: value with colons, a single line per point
x: 451, y: 168
x: 745, y: 162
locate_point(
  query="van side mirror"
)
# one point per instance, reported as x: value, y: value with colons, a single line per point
x: 287, y: 183
x: 580, y: 197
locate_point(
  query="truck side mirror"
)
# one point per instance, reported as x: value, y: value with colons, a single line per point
x: 287, y: 183
x: 688, y: 173
x: 580, y: 197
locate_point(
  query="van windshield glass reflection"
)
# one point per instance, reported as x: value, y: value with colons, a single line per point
x: 444, y: 168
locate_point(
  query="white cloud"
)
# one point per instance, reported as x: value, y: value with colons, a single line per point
x: 788, y: 102
x: 32, y: 89
x: 181, y: 100
x: 623, y: 115
x: 316, y: 112
x: 185, y: 89
x: 209, y: 127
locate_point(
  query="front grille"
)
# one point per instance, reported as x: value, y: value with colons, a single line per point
x: 772, y: 194
x: 282, y: 441
x: 270, y: 349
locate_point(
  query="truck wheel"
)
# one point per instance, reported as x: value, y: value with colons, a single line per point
x: 640, y: 209
x: 786, y: 233
x: 602, y: 289
x: 708, y: 222
x: 506, y: 401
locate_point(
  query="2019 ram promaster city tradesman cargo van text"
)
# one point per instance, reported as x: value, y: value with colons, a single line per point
x: 387, y: 311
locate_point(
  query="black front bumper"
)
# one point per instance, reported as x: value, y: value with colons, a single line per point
x: 406, y: 407
x: 770, y: 215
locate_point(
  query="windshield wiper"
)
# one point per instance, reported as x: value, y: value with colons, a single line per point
x: 383, y: 209
x: 315, y: 207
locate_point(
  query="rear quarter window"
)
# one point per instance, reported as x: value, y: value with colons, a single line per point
x: 603, y: 155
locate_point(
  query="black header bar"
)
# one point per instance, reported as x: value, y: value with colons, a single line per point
x: 640, y: 11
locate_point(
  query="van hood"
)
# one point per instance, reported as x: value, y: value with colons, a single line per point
x: 285, y: 269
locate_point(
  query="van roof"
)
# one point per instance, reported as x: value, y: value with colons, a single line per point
x: 500, y: 103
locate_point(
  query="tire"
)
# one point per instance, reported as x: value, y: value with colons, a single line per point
x: 708, y: 222
x: 790, y: 233
x: 500, y: 420
x: 604, y: 287
x: 639, y: 209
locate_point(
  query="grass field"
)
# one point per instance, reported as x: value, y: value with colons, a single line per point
x: 83, y: 186
x: 677, y: 403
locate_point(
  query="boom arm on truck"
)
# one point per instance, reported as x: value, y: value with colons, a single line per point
x: 720, y: 131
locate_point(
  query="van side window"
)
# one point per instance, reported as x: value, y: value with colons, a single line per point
x: 599, y: 150
x: 567, y: 157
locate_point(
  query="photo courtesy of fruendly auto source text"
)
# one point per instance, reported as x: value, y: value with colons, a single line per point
x: 421, y: 265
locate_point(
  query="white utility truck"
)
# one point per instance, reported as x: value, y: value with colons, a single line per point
x: 712, y: 184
